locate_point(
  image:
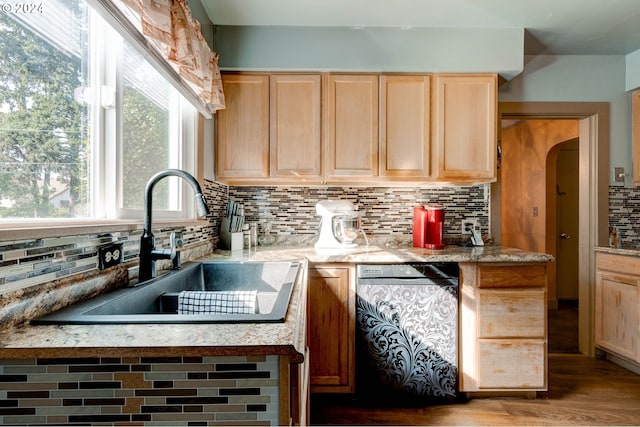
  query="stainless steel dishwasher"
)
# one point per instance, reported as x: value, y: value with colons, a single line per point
x: 407, y: 330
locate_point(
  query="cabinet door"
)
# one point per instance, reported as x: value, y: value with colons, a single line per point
x: 331, y: 333
x: 512, y: 364
x: 242, y: 128
x: 350, y: 126
x: 404, y: 126
x: 464, y: 127
x: 521, y: 275
x: 295, y: 126
x: 617, y: 313
x: 512, y: 313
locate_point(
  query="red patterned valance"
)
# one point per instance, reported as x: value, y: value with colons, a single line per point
x: 170, y: 27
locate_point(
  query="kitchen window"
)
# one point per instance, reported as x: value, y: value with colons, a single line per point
x: 85, y: 120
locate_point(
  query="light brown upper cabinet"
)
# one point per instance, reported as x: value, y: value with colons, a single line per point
x: 295, y: 126
x: 635, y: 134
x: 350, y: 127
x: 357, y: 128
x: 464, y: 144
x: 242, y: 128
x: 404, y: 126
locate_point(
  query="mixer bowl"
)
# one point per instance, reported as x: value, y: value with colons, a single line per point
x: 346, y: 227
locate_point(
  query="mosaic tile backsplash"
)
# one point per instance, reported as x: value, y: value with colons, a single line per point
x: 220, y: 390
x: 624, y: 213
x: 291, y: 211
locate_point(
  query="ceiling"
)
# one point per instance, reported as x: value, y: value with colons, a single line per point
x: 554, y: 27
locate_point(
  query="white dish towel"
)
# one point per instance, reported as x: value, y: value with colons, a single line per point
x: 217, y: 302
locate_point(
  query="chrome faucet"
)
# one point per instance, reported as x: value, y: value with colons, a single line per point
x: 148, y: 252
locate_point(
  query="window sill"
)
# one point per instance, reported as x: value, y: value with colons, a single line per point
x: 45, y: 229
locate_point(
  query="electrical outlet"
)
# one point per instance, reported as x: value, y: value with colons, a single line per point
x: 179, y: 239
x: 467, y: 225
x: 110, y: 255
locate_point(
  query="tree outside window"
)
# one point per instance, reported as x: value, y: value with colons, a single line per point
x: 47, y: 144
x: 44, y: 149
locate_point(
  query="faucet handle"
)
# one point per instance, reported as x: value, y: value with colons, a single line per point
x: 170, y: 253
x: 172, y: 244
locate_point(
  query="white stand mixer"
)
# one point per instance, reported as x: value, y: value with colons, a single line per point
x: 339, y: 226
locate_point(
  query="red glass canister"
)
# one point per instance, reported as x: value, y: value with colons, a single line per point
x: 419, y: 226
x: 434, y: 238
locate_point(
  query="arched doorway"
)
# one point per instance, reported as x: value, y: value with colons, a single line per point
x: 593, y: 129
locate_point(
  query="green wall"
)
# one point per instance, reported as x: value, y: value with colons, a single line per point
x: 578, y: 78
x: 200, y: 14
x: 371, y: 49
x: 633, y: 70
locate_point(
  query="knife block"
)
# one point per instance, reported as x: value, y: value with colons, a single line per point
x: 229, y: 240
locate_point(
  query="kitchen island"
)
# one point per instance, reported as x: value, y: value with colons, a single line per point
x: 243, y: 373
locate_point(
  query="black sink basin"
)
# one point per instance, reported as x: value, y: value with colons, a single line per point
x: 156, y: 300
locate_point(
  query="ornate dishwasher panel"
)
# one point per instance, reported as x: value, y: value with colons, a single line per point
x: 407, y: 329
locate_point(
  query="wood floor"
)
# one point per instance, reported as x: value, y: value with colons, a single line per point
x: 563, y: 328
x: 582, y: 391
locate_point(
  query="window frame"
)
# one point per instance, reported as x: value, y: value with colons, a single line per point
x: 105, y: 85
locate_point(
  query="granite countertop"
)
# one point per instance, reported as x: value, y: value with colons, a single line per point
x: 386, y: 254
x: 625, y: 250
x: 165, y: 340
x: 288, y: 338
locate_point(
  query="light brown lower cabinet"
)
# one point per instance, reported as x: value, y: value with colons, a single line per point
x: 617, y: 305
x: 331, y: 327
x: 513, y: 364
x: 503, y: 325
